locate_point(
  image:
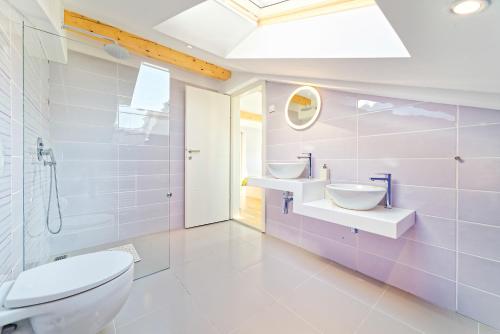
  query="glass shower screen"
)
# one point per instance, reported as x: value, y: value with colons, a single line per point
x: 96, y: 153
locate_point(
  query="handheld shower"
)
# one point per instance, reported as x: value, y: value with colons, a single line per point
x: 42, y: 153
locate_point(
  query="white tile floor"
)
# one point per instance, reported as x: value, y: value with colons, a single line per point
x: 227, y: 278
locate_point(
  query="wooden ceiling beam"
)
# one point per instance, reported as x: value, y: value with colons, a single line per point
x: 145, y: 47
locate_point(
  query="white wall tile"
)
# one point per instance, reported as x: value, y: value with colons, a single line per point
x: 432, y: 144
x: 92, y: 64
x: 479, y: 305
x: 418, y: 172
x: 428, y: 258
x: 329, y: 129
x: 479, y: 174
x: 417, y: 142
x: 335, y: 251
x: 479, y: 207
x: 479, y: 240
x: 479, y: 273
x: 68, y: 76
x: 479, y: 141
x: 82, y: 116
x: 438, y: 202
x: 435, y: 231
x: 82, y: 98
x: 344, y: 148
x: 476, y: 116
x: 432, y: 288
x: 418, y: 117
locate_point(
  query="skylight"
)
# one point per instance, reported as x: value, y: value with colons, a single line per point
x: 360, y: 33
x: 331, y: 29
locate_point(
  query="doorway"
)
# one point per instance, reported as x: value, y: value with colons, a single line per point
x: 247, y: 156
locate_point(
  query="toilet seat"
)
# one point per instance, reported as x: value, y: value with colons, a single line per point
x: 65, y: 278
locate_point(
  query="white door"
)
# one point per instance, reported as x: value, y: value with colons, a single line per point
x: 206, y: 157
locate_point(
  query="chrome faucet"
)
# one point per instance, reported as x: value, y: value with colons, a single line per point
x: 388, y: 195
x: 307, y: 156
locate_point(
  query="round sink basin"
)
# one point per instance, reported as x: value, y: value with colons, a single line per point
x: 286, y: 170
x: 356, y: 196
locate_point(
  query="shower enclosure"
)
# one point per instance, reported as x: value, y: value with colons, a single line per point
x: 96, y: 152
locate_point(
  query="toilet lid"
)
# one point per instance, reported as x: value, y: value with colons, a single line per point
x: 66, y: 278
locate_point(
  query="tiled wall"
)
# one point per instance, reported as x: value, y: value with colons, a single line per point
x: 113, y: 160
x: 451, y: 257
x: 11, y: 260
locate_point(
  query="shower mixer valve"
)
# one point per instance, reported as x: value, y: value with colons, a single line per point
x: 41, y: 152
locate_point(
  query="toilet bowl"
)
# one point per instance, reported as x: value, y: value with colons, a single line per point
x: 77, y: 295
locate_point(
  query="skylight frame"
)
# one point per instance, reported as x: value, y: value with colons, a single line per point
x: 265, y: 6
x: 360, y: 33
x: 289, y: 10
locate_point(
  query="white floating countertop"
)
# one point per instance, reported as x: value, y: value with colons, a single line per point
x: 309, y: 200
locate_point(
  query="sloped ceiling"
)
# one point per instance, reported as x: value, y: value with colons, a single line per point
x: 448, y: 51
x: 358, y: 33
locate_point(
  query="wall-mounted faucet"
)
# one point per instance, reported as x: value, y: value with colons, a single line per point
x: 307, y: 156
x: 388, y: 180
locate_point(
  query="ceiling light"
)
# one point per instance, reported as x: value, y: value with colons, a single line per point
x: 189, y: 46
x: 466, y: 7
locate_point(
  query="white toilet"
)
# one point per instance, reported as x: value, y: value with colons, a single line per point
x: 77, y: 295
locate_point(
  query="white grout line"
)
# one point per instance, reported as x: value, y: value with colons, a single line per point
x: 481, y: 191
x: 424, y: 187
x: 479, y: 224
x: 408, y: 132
x: 479, y: 125
x: 405, y: 159
x: 481, y: 290
x: 479, y: 257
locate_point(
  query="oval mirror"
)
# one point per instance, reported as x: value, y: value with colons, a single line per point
x: 303, y: 107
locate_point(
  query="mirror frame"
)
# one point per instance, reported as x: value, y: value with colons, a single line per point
x: 315, y: 92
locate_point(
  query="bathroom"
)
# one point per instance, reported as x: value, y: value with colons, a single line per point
x: 192, y: 169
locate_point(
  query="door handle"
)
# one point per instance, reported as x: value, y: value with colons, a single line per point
x: 193, y: 151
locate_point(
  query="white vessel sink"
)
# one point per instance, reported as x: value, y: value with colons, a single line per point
x: 286, y: 170
x: 309, y: 200
x: 356, y: 196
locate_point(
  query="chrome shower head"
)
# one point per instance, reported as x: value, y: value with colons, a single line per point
x: 117, y: 51
x: 113, y: 49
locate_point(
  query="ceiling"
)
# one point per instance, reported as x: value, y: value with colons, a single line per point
x: 447, y: 51
x: 363, y: 32
x: 252, y: 102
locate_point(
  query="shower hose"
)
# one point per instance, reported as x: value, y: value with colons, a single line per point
x: 53, y: 176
